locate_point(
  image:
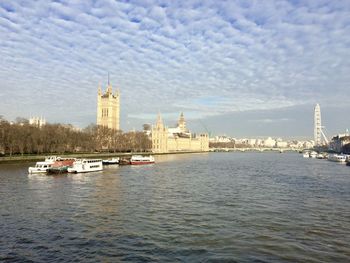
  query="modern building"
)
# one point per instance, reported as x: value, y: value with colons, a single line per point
x: 178, y: 139
x: 108, y: 108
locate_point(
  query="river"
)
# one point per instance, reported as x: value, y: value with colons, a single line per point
x: 215, y: 207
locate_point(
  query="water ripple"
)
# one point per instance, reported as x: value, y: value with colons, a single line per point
x: 223, y: 207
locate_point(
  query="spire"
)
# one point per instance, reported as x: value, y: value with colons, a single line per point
x: 159, y: 119
x: 109, y: 86
x: 99, y: 90
x: 182, y: 116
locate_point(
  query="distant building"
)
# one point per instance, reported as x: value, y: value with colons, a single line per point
x: 177, y: 139
x: 222, y: 138
x: 338, y: 142
x: 281, y: 144
x: 308, y: 144
x: 108, y: 108
x: 251, y: 142
x: 269, y: 142
x: 37, y: 121
x: 258, y: 142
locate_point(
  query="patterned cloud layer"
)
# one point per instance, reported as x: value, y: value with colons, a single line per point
x: 206, y: 58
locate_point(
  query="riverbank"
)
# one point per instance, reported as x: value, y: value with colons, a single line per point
x: 35, y: 158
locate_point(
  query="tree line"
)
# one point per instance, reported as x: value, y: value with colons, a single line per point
x: 22, y: 138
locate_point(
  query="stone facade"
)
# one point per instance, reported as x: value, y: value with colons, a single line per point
x: 37, y: 121
x: 177, y: 139
x: 108, y: 108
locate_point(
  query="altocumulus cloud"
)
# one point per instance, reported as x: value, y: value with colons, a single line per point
x: 202, y: 57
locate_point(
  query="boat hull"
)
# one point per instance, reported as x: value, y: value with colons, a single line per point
x: 57, y: 170
x: 36, y: 171
x: 139, y: 160
x: 110, y: 162
x: 139, y: 163
x: 124, y: 162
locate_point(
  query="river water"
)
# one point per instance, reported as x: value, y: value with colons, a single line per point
x: 217, y: 207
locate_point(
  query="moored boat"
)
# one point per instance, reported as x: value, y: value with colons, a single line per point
x: 139, y: 159
x: 306, y: 154
x: 61, y: 165
x: 40, y: 167
x: 114, y: 160
x: 57, y: 170
x: 124, y: 161
x: 340, y: 158
x: 86, y: 165
x: 321, y: 156
x: 313, y: 154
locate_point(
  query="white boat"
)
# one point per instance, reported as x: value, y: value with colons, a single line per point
x: 52, y: 159
x: 306, y: 155
x: 139, y: 159
x: 313, y: 154
x: 86, y: 165
x: 321, y: 156
x: 40, y: 167
x: 340, y: 158
x: 114, y: 160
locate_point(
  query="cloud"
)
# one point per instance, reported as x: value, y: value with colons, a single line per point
x: 271, y: 120
x: 205, y: 57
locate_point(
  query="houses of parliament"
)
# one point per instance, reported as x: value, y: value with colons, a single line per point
x: 164, y: 139
x: 108, y: 108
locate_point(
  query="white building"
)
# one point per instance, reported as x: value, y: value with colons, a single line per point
x: 37, y: 121
x: 222, y: 138
x: 269, y: 142
x: 281, y: 144
x: 308, y: 144
x: 251, y: 142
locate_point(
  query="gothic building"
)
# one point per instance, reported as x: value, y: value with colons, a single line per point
x: 108, y: 108
x: 178, y: 139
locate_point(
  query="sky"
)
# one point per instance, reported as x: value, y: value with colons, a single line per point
x: 240, y: 68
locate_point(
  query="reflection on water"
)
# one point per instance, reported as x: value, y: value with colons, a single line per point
x: 244, y: 207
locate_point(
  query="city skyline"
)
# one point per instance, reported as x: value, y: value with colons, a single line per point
x: 235, y: 67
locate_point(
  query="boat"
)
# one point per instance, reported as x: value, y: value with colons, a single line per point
x: 86, y: 165
x: 139, y: 159
x: 340, y: 158
x: 40, y: 167
x: 348, y: 162
x: 124, y: 161
x: 321, y: 156
x: 57, y: 170
x: 114, y: 160
x: 306, y: 155
x: 52, y: 159
x: 313, y: 154
x: 61, y: 165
